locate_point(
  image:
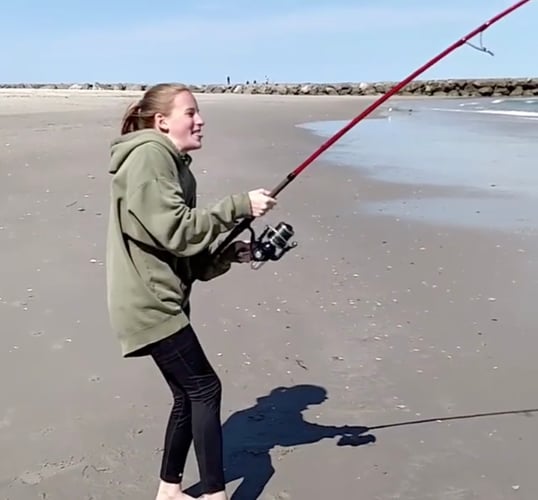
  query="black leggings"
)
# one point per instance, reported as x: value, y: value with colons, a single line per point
x: 195, y: 416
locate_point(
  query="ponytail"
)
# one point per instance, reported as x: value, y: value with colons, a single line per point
x: 130, y: 121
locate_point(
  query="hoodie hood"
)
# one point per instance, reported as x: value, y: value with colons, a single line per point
x: 122, y: 146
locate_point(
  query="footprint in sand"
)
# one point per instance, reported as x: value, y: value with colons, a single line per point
x: 49, y: 469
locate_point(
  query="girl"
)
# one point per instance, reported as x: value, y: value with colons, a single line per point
x: 157, y: 246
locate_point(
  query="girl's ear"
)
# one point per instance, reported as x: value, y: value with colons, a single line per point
x: 161, y: 122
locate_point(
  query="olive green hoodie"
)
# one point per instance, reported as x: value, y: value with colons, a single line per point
x: 158, y: 242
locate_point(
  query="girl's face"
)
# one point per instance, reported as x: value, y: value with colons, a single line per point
x: 183, y: 125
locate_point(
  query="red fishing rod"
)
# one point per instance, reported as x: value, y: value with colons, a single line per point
x: 273, y: 243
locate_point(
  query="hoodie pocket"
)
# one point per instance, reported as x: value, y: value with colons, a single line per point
x: 156, y: 269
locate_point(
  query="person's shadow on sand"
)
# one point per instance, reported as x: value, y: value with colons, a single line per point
x: 276, y: 420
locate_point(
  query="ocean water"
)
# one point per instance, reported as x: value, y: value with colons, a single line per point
x: 487, y: 148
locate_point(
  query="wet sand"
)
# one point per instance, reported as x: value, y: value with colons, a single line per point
x: 372, y: 322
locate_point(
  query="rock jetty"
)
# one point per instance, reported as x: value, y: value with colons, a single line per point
x: 500, y: 87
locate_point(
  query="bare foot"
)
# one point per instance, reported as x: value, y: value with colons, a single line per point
x: 220, y: 495
x: 169, y: 491
x: 176, y: 496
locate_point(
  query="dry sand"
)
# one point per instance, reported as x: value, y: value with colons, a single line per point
x: 389, y: 321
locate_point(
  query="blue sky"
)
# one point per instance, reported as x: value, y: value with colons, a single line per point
x: 203, y: 41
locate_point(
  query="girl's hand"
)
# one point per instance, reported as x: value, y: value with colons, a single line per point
x: 239, y: 251
x: 261, y: 202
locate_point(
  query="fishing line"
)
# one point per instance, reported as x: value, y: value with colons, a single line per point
x: 481, y: 48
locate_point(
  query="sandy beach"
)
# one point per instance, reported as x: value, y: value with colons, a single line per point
x: 330, y: 359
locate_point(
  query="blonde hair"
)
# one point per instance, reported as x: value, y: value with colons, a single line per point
x: 157, y: 99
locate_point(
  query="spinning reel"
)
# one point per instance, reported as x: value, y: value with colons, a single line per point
x: 272, y: 244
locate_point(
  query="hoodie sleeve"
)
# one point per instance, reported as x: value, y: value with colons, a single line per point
x: 156, y: 200
x: 207, y: 267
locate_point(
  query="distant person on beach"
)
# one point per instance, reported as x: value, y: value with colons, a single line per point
x: 158, y: 245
